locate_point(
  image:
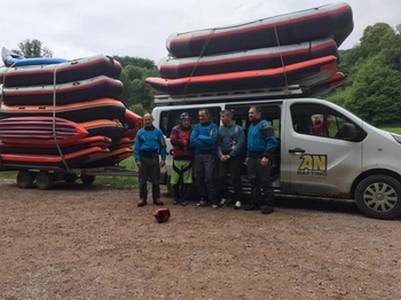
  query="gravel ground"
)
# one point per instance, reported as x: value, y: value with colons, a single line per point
x: 72, y: 243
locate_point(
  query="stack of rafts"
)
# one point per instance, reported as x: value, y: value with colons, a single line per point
x: 294, y: 49
x: 58, y: 113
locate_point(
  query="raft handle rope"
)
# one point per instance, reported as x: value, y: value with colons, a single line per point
x: 287, y: 91
x: 199, y: 57
x: 54, y: 120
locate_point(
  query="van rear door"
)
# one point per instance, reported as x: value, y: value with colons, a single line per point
x: 320, y: 157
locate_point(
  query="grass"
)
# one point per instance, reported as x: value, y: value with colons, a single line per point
x: 120, y: 181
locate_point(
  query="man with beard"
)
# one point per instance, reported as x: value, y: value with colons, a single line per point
x: 181, y: 174
x: 261, y: 145
x: 149, y: 144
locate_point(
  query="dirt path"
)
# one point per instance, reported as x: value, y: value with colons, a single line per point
x: 96, y: 244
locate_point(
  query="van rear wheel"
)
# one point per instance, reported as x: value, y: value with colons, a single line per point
x: 379, y: 196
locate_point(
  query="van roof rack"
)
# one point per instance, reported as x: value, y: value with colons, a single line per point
x: 254, y: 94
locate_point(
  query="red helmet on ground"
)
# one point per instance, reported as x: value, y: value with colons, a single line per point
x: 162, y: 214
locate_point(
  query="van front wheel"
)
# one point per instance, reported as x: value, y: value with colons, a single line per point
x: 379, y: 196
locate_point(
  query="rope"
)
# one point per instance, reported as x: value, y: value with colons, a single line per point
x: 54, y: 120
x: 282, y: 61
x: 199, y: 57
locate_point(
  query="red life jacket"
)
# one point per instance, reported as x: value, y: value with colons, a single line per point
x: 179, y: 138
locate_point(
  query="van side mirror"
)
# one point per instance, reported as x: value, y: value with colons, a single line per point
x: 349, y: 132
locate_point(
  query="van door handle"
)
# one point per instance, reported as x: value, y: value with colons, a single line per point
x: 296, y: 151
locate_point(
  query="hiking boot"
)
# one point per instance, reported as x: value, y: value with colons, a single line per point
x: 142, y: 202
x: 266, y: 209
x: 157, y: 201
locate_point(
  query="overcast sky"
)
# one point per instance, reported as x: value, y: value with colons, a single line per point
x: 73, y: 29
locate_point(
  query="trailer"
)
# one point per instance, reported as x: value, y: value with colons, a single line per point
x: 44, y: 178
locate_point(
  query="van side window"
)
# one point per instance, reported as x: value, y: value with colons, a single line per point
x: 271, y: 112
x: 170, y: 118
x: 319, y: 120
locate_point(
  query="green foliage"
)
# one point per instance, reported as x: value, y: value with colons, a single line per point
x: 33, y: 48
x: 133, y: 75
x: 373, y: 87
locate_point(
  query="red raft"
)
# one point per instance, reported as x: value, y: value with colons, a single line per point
x: 66, y: 93
x: 264, y: 58
x: 333, y: 20
x: 73, y: 70
x: 306, y: 74
x: 40, y: 130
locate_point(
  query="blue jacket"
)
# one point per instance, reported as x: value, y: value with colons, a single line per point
x: 204, y: 137
x: 230, y: 140
x: 261, y: 139
x: 150, y: 139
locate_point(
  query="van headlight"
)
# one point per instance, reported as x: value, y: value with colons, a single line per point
x: 396, y: 137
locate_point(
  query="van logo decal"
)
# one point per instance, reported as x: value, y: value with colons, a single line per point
x: 313, y: 164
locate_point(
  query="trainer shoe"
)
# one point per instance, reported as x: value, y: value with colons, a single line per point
x: 237, y: 204
x: 157, y: 201
x: 215, y: 206
x: 223, y: 201
x: 142, y: 202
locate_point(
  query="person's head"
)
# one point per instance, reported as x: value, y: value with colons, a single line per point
x: 147, y: 120
x: 226, y: 117
x: 185, y: 120
x: 254, y: 113
x: 203, y: 115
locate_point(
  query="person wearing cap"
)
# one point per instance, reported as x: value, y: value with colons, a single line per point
x: 261, y: 145
x: 203, y: 140
x: 181, y: 174
x: 149, y: 145
x: 230, y: 148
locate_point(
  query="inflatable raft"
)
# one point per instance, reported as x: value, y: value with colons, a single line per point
x: 112, y: 129
x: 14, y: 60
x: 333, y: 20
x: 264, y: 58
x: 76, y: 159
x: 77, y: 112
x: 306, y: 73
x: 40, y: 130
x: 66, y: 93
x: 93, y: 141
x: 74, y: 70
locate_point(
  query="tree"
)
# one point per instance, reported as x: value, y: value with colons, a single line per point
x: 33, y: 48
x: 373, y: 87
x: 135, y: 70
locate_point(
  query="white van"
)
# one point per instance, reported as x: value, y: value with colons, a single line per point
x: 325, y: 151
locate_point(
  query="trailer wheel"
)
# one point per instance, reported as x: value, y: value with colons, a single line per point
x: 379, y: 196
x: 88, y: 179
x: 44, y: 180
x: 25, y: 179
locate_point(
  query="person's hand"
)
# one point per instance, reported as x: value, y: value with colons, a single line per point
x: 222, y: 158
x: 228, y: 157
x: 264, y: 161
x: 138, y: 164
x: 162, y: 163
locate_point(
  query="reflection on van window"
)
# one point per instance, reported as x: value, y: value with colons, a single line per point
x: 317, y: 120
x: 168, y: 119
